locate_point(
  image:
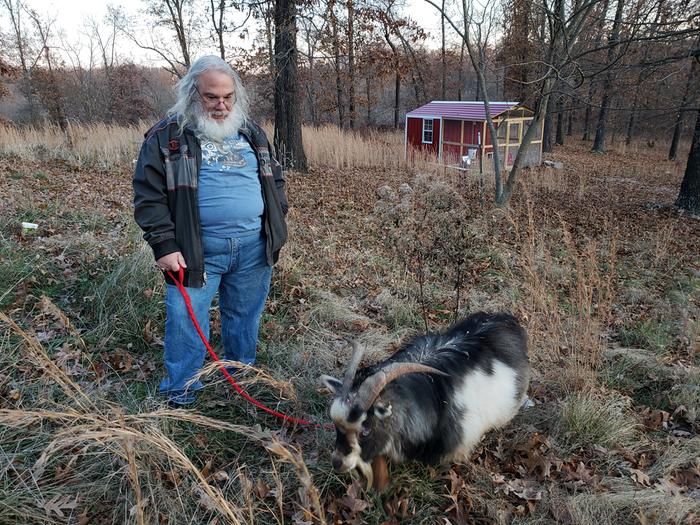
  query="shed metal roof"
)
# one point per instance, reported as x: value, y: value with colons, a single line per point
x: 464, y: 110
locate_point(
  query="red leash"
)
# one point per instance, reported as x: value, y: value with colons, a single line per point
x: 280, y: 415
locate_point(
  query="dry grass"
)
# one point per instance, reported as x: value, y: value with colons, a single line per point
x: 90, y: 431
x: 587, y: 420
x: 567, y: 292
x: 101, y: 145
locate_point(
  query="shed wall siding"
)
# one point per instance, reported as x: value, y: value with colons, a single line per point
x: 414, y: 135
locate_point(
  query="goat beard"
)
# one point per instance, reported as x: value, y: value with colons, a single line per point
x: 218, y: 130
x: 366, y: 470
x: 376, y: 474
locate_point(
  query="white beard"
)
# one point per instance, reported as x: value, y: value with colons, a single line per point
x: 216, y: 130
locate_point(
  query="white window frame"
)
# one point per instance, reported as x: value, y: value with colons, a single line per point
x: 425, y: 130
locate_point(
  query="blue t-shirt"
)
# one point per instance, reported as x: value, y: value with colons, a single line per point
x: 230, y: 196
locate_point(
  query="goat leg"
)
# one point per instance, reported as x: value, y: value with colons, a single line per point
x: 380, y: 472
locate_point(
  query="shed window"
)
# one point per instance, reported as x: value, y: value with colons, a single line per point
x: 427, y: 131
x: 514, y: 134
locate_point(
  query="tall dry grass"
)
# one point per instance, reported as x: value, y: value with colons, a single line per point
x: 567, y: 294
x: 107, y: 145
x: 99, y: 144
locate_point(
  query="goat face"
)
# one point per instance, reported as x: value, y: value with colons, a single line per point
x: 361, y: 418
x: 360, y: 432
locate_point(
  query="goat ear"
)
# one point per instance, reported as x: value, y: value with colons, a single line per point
x: 331, y: 383
x: 381, y: 410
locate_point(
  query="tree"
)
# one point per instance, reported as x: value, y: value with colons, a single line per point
x: 476, y: 33
x: 564, y: 21
x: 180, y: 20
x: 24, y: 54
x: 218, y: 10
x: 351, y: 63
x: 49, y: 89
x: 288, y: 138
x: 688, y: 93
x: 613, y: 55
x: 600, y: 25
x: 689, y: 195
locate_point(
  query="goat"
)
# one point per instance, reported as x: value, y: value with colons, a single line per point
x: 433, y: 399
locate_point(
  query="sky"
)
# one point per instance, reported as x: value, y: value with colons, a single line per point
x: 70, y: 16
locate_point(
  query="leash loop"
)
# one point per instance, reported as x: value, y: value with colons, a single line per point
x: 289, y: 419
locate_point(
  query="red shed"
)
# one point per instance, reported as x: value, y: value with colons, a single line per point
x: 456, y: 132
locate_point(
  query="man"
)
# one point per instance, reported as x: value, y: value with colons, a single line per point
x: 210, y: 199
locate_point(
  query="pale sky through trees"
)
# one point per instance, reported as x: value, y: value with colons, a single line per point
x: 71, y: 18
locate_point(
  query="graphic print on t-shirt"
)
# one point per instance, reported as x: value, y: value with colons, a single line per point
x: 226, y: 156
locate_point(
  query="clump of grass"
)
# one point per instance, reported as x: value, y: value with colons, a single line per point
x: 628, y: 504
x: 586, y: 420
x: 686, y: 392
x: 649, y: 334
x: 398, y: 309
x: 330, y: 309
x: 126, y: 298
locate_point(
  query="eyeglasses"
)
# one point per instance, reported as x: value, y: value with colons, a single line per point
x: 213, y: 100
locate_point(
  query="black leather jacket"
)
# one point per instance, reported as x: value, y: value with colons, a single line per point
x: 165, y: 194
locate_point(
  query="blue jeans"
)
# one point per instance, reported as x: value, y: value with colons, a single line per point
x: 237, y: 268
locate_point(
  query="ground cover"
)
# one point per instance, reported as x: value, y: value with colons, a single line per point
x: 593, y: 259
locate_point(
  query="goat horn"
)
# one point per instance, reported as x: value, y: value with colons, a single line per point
x: 357, y: 352
x: 374, y: 384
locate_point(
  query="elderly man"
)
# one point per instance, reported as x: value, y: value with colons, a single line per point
x: 210, y: 198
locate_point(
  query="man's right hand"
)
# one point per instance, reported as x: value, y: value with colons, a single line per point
x: 172, y: 261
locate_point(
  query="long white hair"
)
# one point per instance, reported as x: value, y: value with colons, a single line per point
x: 188, y: 107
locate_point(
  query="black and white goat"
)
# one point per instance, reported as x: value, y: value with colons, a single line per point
x: 432, y: 400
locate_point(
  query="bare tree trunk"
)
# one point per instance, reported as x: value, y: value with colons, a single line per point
x: 547, y: 142
x: 351, y: 63
x: 177, y: 21
x: 397, y: 78
x: 268, y: 17
x: 679, y: 117
x: 538, y: 120
x: 633, y: 115
x: 416, y: 71
x: 640, y: 79
x: 443, y: 75
x: 369, y: 100
x: 588, y: 115
x: 570, y: 122
x: 560, y: 121
x: 460, y: 85
x: 599, y: 141
x: 689, y: 195
x: 564, y: 30
x: 397, y: 95
x: 311, y: 88
x: 288, y: 138
x: 338, y: 76
x: 218, y: 25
